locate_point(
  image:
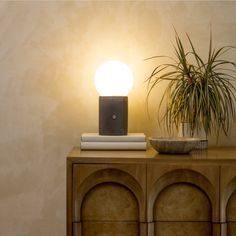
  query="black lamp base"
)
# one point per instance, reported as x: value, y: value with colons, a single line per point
x: 113, y: 115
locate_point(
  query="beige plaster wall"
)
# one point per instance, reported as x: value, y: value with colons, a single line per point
x: 48, y: 55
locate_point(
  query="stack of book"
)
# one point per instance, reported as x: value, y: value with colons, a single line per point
x: 94, y: 141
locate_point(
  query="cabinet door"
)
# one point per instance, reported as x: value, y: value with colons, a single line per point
x: 228, y: 199
x: 108, y: 199
x: 183, y: 199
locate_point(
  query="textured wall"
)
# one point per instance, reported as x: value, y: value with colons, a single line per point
x: 48, y: 55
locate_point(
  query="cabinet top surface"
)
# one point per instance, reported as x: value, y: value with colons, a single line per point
x: 225, y: 154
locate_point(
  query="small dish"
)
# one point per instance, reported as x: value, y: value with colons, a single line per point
x: 171, y: 145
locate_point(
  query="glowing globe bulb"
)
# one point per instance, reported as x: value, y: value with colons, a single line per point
x: 113, y: 78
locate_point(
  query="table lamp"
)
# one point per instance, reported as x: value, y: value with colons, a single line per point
x: 113, y: 81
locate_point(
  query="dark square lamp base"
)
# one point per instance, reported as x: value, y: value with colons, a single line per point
x: 113, y: 115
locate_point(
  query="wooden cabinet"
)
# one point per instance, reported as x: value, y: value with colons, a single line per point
x: 137, y: 193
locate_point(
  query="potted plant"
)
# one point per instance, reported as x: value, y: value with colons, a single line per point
x: 201, y: 93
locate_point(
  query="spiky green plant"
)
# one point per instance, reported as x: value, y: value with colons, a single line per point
x: 199, y: 92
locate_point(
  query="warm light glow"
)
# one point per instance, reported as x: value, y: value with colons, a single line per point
x: 113, y: 78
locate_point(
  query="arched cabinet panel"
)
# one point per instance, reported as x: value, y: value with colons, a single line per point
x: 110, y: 209
x: 182, y: 200
x: 205, y: 178
x: 228, y: 199
x: 231, y: 215
x: 182, y: 208
x: 108, y: 200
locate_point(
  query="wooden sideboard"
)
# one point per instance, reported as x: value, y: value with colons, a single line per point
x: 143, y: 193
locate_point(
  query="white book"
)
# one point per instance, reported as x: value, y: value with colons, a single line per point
x: 112, y: 145
x: 130, y: 137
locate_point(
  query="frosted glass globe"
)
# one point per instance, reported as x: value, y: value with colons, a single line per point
x: 113, y: 78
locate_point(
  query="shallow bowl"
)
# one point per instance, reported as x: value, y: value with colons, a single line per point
x: 174, y: 145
